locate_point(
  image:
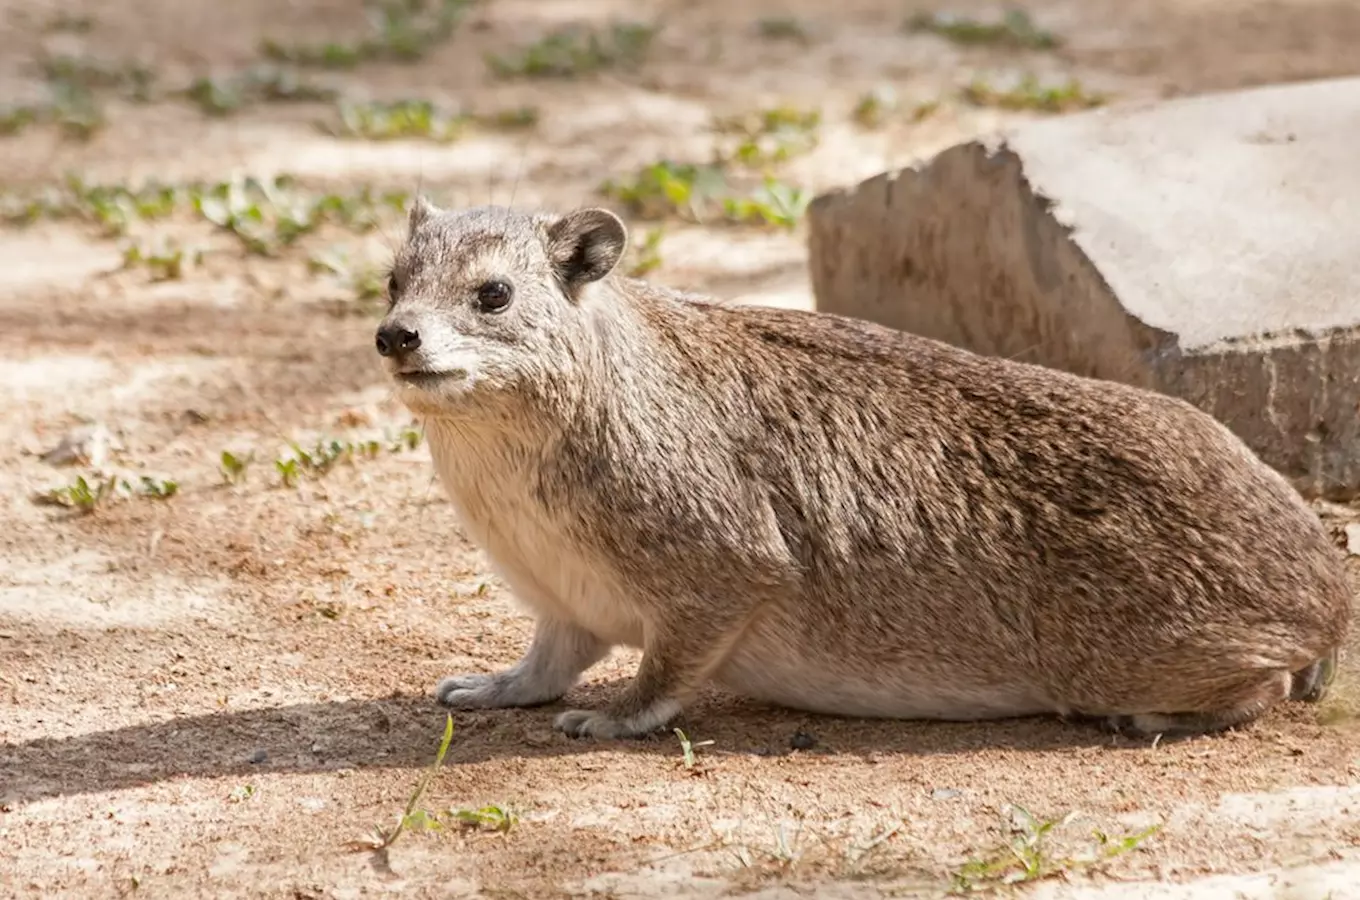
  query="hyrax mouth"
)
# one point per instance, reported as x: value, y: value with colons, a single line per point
x: 425, y: 378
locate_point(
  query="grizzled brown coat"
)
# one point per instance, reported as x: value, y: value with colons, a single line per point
x: 830, y: 515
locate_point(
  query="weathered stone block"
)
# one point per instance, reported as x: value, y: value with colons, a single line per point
x: 1206, y: 247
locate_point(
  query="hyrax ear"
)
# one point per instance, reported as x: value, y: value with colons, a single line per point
x: 421, y: 209
x: 585, y: 245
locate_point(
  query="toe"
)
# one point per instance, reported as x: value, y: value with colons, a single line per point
x: 576, y: 723
x: 583, y: 723
x: 461, y: 691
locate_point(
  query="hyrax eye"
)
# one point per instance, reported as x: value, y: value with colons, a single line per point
x: 392, y: 286
x: 494, y: 296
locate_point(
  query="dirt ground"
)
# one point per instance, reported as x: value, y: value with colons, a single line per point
x: 215, y: 693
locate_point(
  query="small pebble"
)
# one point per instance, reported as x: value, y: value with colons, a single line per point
x: 945, y: 794
x: 801, y: 740
x: 259, y: 756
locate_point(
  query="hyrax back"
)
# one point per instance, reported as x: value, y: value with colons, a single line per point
x: 832, y: 515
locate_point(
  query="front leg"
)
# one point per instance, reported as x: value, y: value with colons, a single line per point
x: 558, y: 654
x: 678, y: 657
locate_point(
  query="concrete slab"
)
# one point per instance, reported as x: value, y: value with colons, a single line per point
x: 1207, y: 247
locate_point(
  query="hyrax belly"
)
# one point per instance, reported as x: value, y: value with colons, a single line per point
x: 889, y: 676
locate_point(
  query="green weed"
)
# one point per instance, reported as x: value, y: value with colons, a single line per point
x: 406, y: 439
x: 259, y: 84
x: 382, y: 121
x: 873, y: 107
x: 158, y: 488
x: 492, y: 818
x: 267, y: 216
x: 413, y: 817
x: 646, y: 256
x: 770, y: 136
x: 575, y: 51
x: 233, y: 467
x: 363, y: 281
x: 73, y: 106
x: 1032, y: 95
x: 288, y: 470
x: 783, y: 28
x: 701, y: 193
x: 401, y: 31
x: 322, y: 457
x: 1028, y: 855
x: 773, y: 203
x: 713, y: 191
x: 89, y: 494
x: 73, y: 110
x: 216, y: 98
x: 132, y: 79
x: 14, y: 119
x: 167, y: 260
x: 664, y: 188
x: 515, y: 117
x: 1016, y: 30
x: 115, y: 207
x: 687, y: 748
x: 112, y: 207
x: 783, y: 854
x: 70, y: 23
x: 924, y: 110
x: 85, y: 495
x: 416, y: 818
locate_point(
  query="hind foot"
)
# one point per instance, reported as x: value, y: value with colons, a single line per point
x: 1141, y: 726
x: 607, y: 726
x: 1173, y: 726
x: 1248, y: 705
x: 1310, y: 684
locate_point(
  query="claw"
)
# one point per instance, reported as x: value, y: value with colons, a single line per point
x: 585, y: 723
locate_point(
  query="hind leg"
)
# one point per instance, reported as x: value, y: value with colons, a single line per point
x: 1241, y: 710
x: 1309, y: 684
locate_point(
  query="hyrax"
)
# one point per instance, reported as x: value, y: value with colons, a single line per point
x: 833, y: 516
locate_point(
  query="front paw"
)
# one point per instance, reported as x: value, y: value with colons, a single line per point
x: 583, y: 723
x: 465, y: 691
x: 488, y: 692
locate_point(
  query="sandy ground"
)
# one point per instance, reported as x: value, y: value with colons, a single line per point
x: 215, y: 693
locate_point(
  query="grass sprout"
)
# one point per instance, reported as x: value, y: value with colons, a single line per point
x: 1030, y: 94
x: 1015, y: 30
x: 399, y: 119
x: 574, y: 51
x: 399, y: 31
x: 1028, y: 855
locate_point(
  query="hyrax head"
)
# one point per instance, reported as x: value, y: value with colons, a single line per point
x: 485, y: 303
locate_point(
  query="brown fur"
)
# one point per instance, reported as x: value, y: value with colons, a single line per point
x: 831, y: 515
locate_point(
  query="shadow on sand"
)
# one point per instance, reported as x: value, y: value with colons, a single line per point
x: 403, y: 731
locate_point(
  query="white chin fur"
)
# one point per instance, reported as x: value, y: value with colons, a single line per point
x: 433, y: 394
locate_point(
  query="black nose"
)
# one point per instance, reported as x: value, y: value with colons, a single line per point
x: 393, y: 339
